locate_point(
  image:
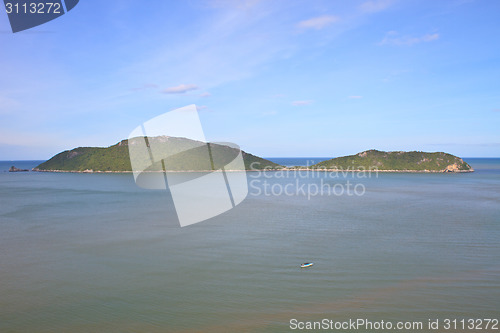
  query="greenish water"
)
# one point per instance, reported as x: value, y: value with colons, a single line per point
x: 95, y: 253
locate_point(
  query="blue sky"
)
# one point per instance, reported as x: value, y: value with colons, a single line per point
x: 279, y: 78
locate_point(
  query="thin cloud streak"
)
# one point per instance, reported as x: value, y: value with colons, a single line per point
x: 217, y: 54
x: 180, y: 89
x: 319, y: 22
x: 393, y: 38
x: 301, y: 103
x: 375, y: 6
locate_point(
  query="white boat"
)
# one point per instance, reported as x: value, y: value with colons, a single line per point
x: 307, y: 264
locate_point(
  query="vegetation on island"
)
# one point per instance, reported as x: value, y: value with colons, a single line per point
x: 397, y: 161
x: 183, y: 155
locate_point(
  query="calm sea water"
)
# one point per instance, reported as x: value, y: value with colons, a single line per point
x: 93, y: 252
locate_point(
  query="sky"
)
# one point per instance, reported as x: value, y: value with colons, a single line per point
x: 279, y: 78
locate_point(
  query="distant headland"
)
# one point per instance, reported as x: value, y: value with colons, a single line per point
x: 116, y: 159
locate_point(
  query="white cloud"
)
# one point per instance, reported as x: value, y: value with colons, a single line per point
x: 496, y: 110
x: 301, y: 103
x: 393, y: 38
x: 374, y: 6
x: 318, y: 23
x: 355, y: 97
x: 180, y: 89
x: 201, y: 107
x: 205, y: 94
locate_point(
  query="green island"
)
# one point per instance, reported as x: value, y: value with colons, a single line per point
x: 190, y: 155
x: 185, y: 155
x: 397, y: 161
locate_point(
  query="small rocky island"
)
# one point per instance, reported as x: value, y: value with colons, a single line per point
x: 14, y: 169
x: 397, y: 161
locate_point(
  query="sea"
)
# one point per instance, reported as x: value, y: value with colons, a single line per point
x: 95, y: 253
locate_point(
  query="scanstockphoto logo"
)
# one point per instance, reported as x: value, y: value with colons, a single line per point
x: 205, y: 179
x: 310, y: 181
x: 26, y: 14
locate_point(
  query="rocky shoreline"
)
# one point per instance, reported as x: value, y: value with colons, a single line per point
x: 277, y: 170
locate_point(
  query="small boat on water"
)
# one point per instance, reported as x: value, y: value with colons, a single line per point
x: 306, y: 264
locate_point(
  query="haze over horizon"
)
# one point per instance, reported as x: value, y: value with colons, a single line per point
x: 280, y: 78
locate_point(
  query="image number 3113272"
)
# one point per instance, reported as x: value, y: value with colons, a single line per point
x: 26, y: 14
